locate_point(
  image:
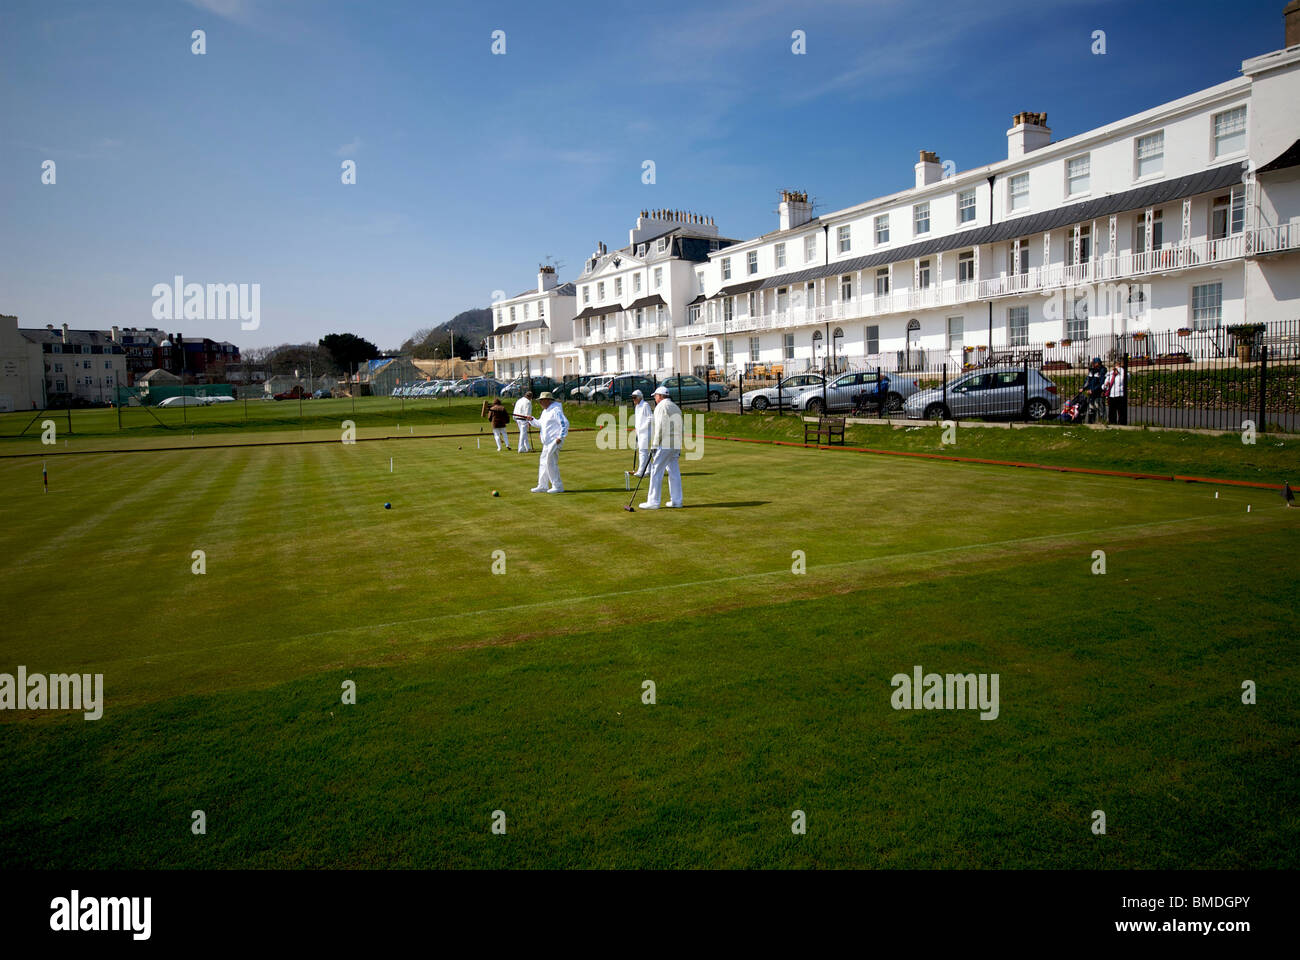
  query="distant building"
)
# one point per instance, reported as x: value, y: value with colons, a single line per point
x: 388, y: 372
x: 148, y: 348
x: 525, y: 327
x: 22, y: 369
x: 83, y: 363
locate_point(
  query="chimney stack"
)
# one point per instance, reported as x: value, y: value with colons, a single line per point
x: 546, y: 278
x: 65, y: 333
x: 928, y: 170
x: 1291, y: 17
x: 1029, y: 131
x: 795, y: 210
x: 114, y: 336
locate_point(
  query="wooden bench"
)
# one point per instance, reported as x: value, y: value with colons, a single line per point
x: 1281, y: 346
x: 832, y: 428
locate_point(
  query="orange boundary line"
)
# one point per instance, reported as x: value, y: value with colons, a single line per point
x: 1002, y: 463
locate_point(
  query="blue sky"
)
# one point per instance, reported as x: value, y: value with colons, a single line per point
x: 471, y: 168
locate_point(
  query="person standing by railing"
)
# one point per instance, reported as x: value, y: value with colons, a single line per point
x: 1093, y: 385
x: 1116, y: 400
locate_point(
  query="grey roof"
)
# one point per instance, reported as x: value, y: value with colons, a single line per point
x: 682, y: 231
x: 1290, y: 157
x: 1147, y: 196
x: 563, y: 290
x: 79, y: 338
x: 737, y: 288
x: 653, y: 300
x: 599, y: 311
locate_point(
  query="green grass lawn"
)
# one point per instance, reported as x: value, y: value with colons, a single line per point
x: 522, y: 693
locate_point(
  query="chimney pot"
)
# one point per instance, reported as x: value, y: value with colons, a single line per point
x: 1029, y: 131
x: 928, y: 170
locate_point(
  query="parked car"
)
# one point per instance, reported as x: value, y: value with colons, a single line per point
x: 767, y: 397
x: 985, y: 393
x: 520, y: 385
x: 569, y: 389
x: 621, y: 387
x: 839, y: 393
x: 693, y: 388
x: 183, y: 402
x: 294, y: 394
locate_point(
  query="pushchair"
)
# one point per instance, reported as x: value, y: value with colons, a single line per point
x: 1073, y: 411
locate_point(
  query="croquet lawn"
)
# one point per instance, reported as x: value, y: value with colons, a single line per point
x: 770, y: 617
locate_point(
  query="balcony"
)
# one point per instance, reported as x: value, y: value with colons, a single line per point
x: 1266, y: 241
x: 536, y: 349
x: 647, y: 330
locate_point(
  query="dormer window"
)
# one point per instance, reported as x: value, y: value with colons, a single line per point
x: 662, y: 245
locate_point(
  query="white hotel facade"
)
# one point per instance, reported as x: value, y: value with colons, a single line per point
x: 1184, y: 216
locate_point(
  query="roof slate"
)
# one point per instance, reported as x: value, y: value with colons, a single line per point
x: 1140, y: 197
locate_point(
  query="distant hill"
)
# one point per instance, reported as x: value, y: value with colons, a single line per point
x: 470, y: 326
x: 475, y: 323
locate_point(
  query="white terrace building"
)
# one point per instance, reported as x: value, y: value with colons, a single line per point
x: 1186, y: 215
x: 1183, y: 216
x: 528, y: 329
x: 633, y: 302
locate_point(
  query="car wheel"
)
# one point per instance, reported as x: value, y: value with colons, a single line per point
x: 816, y: 406
x: 598, y: 398
x: 1037, y: 409
x: 760, y: 403
x: 936, y: 411
x: 893, y: 402
x: 715, y: 396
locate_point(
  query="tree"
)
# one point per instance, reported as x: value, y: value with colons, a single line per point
x: 439, y: 348
x: 303, y: 357
x: 348, y: 350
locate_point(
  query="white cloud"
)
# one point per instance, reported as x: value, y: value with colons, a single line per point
x: 237, y: 11
x: 349, y: 149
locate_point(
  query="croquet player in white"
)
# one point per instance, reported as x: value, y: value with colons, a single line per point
x: 523, y: 413
x: 643, y: 424
x: 552, y: 428
x: 667, y: 443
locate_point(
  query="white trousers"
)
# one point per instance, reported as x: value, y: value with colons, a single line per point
x: 642, y: 461
x: 548, y: 467
x: 524, y: 445
x: 502, y: 437
x: 665, y: 460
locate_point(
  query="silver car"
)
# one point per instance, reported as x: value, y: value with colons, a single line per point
x: 988, y: 393
x: 770, y: 397
x: 839, y: 393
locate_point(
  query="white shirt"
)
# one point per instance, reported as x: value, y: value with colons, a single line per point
x: 1115, y: 383
x: 644, y: 423
x: 552, y: 425
x: 668, y: 426
x: 523, y: 407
